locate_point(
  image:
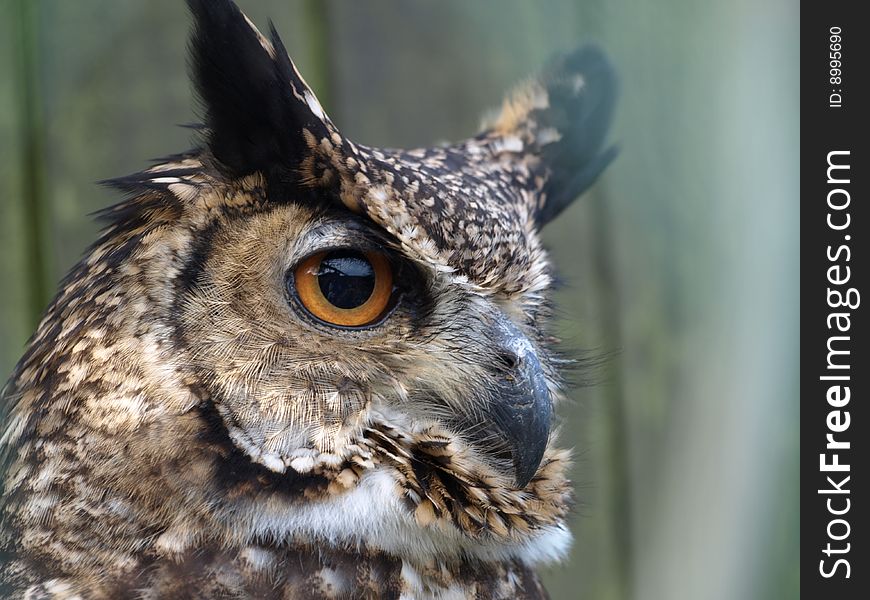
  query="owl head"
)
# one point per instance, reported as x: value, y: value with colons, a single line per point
x: 286, y: 309
x: 334, y: 285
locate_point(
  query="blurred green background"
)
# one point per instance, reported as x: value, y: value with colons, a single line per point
x: 681, y: 264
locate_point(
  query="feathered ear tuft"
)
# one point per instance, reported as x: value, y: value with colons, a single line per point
x: 563, y: 116
x: 256, y: 103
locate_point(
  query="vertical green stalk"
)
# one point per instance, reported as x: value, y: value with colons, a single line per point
x: 33, y: 187
x: 617, y: 433
x: 318, y: 73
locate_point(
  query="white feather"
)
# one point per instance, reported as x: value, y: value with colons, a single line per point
x: 372, y: 515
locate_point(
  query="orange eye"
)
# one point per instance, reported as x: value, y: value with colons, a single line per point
x: 345, y: 287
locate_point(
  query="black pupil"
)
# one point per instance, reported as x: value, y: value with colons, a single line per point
x: 347, y: 278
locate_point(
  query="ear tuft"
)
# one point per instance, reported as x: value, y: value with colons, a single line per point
x: 256, y: 104
x: 564, y: 116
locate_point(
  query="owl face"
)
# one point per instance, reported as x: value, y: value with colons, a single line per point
x: 307, y: 325
x: 341, y: 286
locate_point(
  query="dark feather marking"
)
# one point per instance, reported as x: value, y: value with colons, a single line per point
x: 237, y: 470
x: 254, y: 121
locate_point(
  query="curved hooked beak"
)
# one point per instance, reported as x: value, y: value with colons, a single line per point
x: 523, y: 411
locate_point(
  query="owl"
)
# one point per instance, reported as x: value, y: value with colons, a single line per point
x: 295, y: 366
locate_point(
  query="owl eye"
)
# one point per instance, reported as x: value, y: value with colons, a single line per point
x: 347, y: 288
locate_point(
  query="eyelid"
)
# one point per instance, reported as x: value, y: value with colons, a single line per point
x: 330, y: 235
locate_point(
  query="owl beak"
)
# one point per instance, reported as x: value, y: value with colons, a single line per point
x: 524, y: 411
